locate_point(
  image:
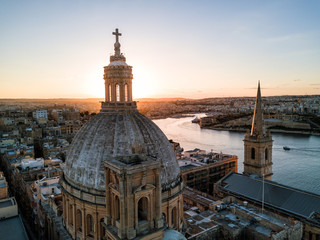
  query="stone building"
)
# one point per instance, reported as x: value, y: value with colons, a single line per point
x: 258, y: 145
x: 201, y: 171
x: 121, y: 179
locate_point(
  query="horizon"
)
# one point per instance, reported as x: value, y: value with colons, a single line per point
x: 155, y: 98
x: 178, y: 49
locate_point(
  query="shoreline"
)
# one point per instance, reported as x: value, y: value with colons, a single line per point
x: 271, y: 130
x: 184, y: 115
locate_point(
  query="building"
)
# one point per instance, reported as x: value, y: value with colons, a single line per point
x: 287, y: 201
x: 258, y: 145
x: 254, y: 187
x: 200, y: 170
x: 40, y: 113
x: 3, y: 187
x: 234, y: 219
x: 10, y: 221
x: 121, y: 179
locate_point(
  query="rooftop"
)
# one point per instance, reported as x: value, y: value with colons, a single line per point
x: 294, y: 201
x: 14, y: 227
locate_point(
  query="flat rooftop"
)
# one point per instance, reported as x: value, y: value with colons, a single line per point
x: 12, y: 229
x: 294, y: 201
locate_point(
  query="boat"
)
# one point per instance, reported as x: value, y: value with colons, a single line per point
x: 286, y: 148
x: 196, y: 120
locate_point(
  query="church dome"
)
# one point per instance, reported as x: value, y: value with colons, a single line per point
x: 113, y: 134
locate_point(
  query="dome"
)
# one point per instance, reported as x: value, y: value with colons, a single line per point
x: 118, y: 63
x: 112, y: 134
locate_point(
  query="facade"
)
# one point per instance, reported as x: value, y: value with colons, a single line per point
x: 202, y: 170
x: 40, y: 113
x: 121, y: 179
x: 258, y: 145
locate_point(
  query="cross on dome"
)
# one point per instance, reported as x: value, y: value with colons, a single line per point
x: 117, y: 34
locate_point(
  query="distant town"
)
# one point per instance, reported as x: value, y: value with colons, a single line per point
x: 36, y: 135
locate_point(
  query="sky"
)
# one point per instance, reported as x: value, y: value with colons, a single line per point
x: 178, y: 48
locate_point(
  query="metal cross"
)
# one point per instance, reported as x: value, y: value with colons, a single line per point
x: 117, y: 34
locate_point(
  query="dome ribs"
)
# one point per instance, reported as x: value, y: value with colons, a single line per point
x: 110, y: 134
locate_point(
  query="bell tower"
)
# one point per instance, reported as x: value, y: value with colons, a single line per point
x: 258, y: 145
x: 118, y: 82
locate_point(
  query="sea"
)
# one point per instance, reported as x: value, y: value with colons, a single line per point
x: 299, y: 167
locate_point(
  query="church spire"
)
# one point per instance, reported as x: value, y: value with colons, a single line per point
x: 257, y: 128
x: 258, y: 145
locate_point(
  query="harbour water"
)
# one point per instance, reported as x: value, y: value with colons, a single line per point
x: 299, y: 167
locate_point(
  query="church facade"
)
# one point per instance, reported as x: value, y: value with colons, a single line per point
x: 121, y: 179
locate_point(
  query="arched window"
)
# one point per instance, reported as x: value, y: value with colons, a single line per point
x: 110, y: 93
x: 126, y: 93
x: 117, y: 93
x: 143, y: 209
x: 253, y: 153
x: 79, y: 220
x: 90, y: 228
x: 102, y: 230
x: 266, y: 154
x: 117, y: 207
x: 70, y: 214
x: 174, y: 217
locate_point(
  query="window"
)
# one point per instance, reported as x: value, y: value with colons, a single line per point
x: 118, y: 93
x: 174, y: 217
x: 70, y: 214
x: 253, y: 153
x: 90, y: 228
x: 110, y: 93
x: 143, y: 209
x: 266, y: 154
x: 102, y: 230
x: 117, y: 207
x: 79, y: 220
x: 126, y: 93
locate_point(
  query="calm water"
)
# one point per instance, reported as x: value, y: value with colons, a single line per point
x: 299, y: 167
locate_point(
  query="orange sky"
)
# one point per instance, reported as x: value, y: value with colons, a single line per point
x: 177, y: 48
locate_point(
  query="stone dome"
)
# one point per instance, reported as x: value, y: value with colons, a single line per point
x: 112, y: 134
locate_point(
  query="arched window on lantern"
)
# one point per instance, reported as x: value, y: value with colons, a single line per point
x: 117, y: 93
x: 110, y: 93
x: 126, y: 93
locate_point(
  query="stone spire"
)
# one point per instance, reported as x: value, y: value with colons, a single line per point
x: 258, y: 145
x: 257, y: 128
